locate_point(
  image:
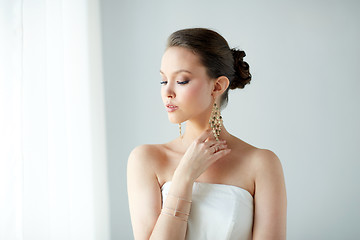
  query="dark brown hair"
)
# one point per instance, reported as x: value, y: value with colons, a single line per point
x: 216, y: 55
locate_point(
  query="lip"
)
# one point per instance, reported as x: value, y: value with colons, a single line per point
x: 171, y: 108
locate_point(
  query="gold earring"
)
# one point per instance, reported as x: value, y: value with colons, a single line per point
x: 180, y: 130
x: 215, y: 121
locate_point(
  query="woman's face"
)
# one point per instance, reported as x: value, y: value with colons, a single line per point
x: 184, y: 85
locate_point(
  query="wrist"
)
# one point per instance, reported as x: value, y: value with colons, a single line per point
x: 180, y: 176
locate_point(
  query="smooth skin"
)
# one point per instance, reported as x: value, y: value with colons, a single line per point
x: 186, y: 84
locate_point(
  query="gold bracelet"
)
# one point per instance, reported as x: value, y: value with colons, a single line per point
x: 176, y: 211
x: 179, y: 198
x: 180, y: 218
x: 177, y: 204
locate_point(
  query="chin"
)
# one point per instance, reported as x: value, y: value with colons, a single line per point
x: 176, y: 120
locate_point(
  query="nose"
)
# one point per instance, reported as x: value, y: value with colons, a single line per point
x: 169, y: 91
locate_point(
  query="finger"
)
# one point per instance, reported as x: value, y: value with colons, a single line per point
x: 204, y: 135
x: 211, y: 143
x: 220, y: 147
x: 211, y: 135
x: 221, y: 153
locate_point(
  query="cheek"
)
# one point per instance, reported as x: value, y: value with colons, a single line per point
x: 197, y: 96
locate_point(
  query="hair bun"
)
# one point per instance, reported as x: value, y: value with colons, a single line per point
x: 242, y: 73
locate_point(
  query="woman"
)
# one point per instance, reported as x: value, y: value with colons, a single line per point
x: 207, y: 183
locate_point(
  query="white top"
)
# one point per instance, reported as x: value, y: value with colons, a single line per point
x: 218, y: 212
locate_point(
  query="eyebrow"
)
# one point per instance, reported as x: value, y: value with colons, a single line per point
x: 179, y: 71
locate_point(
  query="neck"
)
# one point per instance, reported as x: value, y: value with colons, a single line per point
x: 195, y: 128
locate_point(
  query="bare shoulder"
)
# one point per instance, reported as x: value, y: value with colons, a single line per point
x: 158, y: 159
x: 143, y: 158
x: 145, y: 153
x: 265, y: 160
x: 256, y: 161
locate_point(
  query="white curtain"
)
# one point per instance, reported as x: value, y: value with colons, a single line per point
x: 53, y: 178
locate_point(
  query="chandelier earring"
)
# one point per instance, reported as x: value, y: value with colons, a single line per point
x: 215, y: 121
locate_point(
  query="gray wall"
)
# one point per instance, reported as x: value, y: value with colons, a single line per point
x: 302, y: 102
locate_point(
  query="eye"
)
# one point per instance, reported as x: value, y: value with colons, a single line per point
x: 183, y: 82
x: 162, y: 82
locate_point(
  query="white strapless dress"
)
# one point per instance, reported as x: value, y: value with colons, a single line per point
x: 218, y: 212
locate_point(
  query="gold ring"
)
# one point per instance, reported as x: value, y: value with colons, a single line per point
x: 216, y: 149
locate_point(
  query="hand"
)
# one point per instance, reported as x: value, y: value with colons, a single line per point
x: 202, y: 152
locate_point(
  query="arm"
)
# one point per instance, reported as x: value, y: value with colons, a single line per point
x: 270, y: 197
x: 145, y: 194
x: 145, y: 198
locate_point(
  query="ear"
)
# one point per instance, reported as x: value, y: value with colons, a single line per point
x: 220, y: 86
